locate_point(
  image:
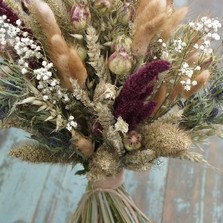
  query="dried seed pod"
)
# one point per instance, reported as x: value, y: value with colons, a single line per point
x: 132, y: 141
x: 80, y: 16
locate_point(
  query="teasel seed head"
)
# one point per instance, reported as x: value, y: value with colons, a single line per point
x: 103, y: 163
x: 165, y: 139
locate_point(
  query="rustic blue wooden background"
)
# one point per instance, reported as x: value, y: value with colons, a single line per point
x: 173, y: 192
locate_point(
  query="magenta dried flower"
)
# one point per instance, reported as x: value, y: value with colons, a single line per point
x: 131, y: 103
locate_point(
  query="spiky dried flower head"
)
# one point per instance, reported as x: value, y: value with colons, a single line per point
x: 165, y: 139
x: 35, y: 153
x: 140, y: 160
x: 103, y: 163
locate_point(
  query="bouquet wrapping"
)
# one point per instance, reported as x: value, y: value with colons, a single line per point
x: 109, y: 84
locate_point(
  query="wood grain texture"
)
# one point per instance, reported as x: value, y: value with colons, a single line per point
x: 173, y: 192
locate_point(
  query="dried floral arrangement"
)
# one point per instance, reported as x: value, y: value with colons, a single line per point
x: 110, y: 84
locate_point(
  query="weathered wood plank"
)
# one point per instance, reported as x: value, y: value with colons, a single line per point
x: 148, y: 189
x: 194, y: 193
x: 44, y: 193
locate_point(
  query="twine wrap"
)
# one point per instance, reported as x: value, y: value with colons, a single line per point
x: 109, y: 183
x: 99, y: 193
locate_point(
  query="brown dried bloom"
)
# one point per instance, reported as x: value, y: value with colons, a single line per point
x: 140, y: 160
x: 165, y: 139
x: 35, y: 153
x: 103, y: 163
x: 82, y: 143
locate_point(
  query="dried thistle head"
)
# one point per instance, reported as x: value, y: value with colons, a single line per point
x: 140, y: 160
x: 103, y: 163
x: 165, y: 139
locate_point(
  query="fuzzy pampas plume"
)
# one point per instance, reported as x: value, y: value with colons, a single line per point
x: 65, y: 58
x: 149, y: 17
x: 154, y: 17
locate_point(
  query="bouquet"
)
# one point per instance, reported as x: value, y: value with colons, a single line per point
x: 109, y: 84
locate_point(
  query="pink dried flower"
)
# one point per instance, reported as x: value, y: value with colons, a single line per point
x: 80, y: 16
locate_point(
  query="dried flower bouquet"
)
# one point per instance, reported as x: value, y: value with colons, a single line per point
x: 110, y: 84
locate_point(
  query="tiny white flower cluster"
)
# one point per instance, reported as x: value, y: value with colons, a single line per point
x: 204, y: 47
x: 188, y: 72
x: 26, y: 48
x: 188, y: 83
x: 71, y: 123
x: 209, y: 26
x: 179, y: 45
x: 165, y: 53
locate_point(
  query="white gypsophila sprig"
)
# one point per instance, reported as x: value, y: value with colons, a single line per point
x: 165, y: 51
x: 187, y: 72
x: 71, y: 124
x: 26, y: 48
x: 208, y: 26
x: 179, y: 45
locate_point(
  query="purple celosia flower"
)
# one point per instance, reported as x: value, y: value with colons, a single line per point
x: 130, y: 104
x: 11, y: 16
